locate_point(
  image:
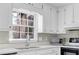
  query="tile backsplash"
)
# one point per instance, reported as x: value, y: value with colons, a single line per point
x: 43, y: 39
x: 70, y: 34
x: 48, y: 37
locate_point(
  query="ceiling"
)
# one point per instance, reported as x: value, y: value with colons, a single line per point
x: 59, y: 4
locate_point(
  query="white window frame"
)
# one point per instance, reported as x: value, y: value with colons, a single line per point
x: 35, y: 26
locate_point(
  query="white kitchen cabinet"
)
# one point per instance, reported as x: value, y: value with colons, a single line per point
x: 61, y: 21
x: 68, y: 16
x: 65, y: 18
x: 71, y: 16
x: 46, y: 19
x: 74, y: 12
x: 5, y: 16
x: 53, y: 20
x: 47, y: 22
x: 76, y: 15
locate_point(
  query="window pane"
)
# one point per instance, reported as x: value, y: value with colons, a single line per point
x: 30, y: 23
x: 15, y: 14
x: 22, y: 29
x: 26, y: 29
x: 23, y: 16
x: 31, y: 17
x: 16, y: 35
x: 15, y: 18
x: 31, y: 35
x: 23, y: 35
x: 23, y: 22
x: 16, y: 28
x: 31, y: 30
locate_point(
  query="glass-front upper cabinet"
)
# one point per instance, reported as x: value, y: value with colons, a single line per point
x: 22, y: 25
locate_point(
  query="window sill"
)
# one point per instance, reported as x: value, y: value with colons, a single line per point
x: 17, y: 40
x: 21, y: 41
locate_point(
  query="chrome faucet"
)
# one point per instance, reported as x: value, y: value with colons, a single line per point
x: 27, y: 42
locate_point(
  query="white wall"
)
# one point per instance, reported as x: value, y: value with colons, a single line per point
x: 4, y: 37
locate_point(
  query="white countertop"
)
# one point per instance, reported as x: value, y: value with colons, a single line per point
x: 69, y: 46
x: 8, y: 50
x: 47, y: 46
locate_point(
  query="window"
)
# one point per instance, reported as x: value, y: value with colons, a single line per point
x: 22, y: 26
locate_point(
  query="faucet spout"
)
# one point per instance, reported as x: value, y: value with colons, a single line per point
x: 27, y: 42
